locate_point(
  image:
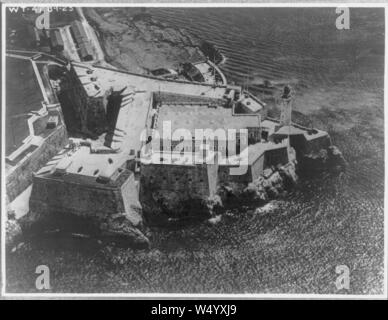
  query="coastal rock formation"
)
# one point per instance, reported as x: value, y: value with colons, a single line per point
x: 133, y: 40
x: 330, y: 159
x: 268, y: 186
x: 117, y: 228
x: 271, y: 184
x: 108, y: 210
x: 165, y: 207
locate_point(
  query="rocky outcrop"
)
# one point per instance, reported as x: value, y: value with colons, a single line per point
x: 102, y: 210
x: 115, y: 228
x: 121, y: 229
x: 161, y: 207
x: 336, y: 159
x: 268, y: 186
x: 130, y: 40
x: 271, y: 184
x: 330, y: 159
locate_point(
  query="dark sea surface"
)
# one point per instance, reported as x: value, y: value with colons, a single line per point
x: 282, y: 44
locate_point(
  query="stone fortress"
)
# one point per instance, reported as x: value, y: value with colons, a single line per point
x: 126, y: 165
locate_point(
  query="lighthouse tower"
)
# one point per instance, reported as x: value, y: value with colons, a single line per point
x: 285, y: 116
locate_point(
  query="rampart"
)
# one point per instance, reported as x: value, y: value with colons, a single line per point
x: 177, y: 190
x: 21, y: 176
x: 85, y: 197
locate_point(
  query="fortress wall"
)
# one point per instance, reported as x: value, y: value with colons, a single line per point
x: 73, y: 99
x: 21, y: 176
x: 158, y: 82
x: 81, y: 112
x: 130, y: 194
x: 188, y: 181
x: 225, y: 177
x: 299, y: 143
x: 212, y: 175
x: 175, y: 98
x: 80, y: 197
x: 257, y: 167
x: 176, y: 191
x: 267, y: 159
x: 275, y: 157
x: 315, y: 145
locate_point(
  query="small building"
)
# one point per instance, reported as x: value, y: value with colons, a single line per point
x: 56, y: 40
x: 79, y: 32
x: 248, y: 104
x: 52, y: 122
x: 86, y: 52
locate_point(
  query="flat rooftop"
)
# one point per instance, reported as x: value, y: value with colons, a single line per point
x: 83, y: 162
x: 193, y: 117
x: 249, y: 102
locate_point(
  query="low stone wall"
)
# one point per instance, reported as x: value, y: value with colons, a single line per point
x: 21, y: 176
x: 174, y: 98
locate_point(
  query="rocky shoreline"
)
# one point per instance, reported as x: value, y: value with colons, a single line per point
x: 134, y: 41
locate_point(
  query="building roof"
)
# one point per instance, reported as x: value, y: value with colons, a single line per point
x: 192, y: 117
x: 250, y: 102
x: 289, y: 130
x: 83, y: 162
x: 79, y: 31
x: 56, y: 38
x: 86, y: 50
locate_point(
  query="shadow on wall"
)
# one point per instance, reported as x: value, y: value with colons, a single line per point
x: 68, y: 96
x: 112, y: 113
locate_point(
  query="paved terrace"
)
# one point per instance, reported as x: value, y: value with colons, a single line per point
x: 131, y: 121
x: 102, y: 79
x: 193, y: 117
x: 80, y: 161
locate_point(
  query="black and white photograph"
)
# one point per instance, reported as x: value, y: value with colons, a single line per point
x: 193, y: 150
